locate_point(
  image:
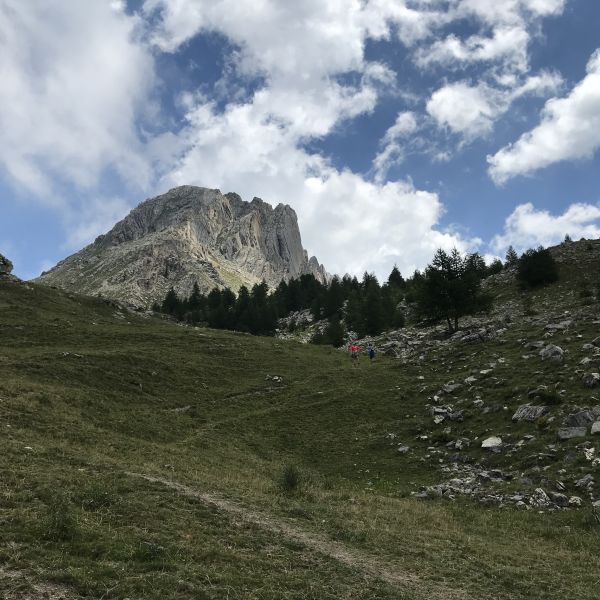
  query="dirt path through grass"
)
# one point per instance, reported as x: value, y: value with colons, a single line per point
x: 21, y: 585
x: 371, y: 566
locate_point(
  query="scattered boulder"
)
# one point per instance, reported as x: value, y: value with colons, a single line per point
x: 559, y: 499
x: 451, y: 387
x: 591, y: 380
x: 446, y: 413
x: 526, y: 412
x: 274, y: 378
x: 553, y: 327
x: 539, y: 498
x: 586, y: 482
x: 492, y: 442
x: 575, y: 501
x: 566, y: 433
x: 555, y: 354
x: 596, y: 428
x: 459, y: 444
x: 579, y: 419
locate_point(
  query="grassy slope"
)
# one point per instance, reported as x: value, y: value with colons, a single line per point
x: 89, y: 395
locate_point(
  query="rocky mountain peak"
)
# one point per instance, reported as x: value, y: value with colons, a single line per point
x: 6, y: 266
x: 189, y: 235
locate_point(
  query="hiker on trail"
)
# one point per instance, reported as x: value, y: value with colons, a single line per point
x: 354, y: 348
x: 371, y: 352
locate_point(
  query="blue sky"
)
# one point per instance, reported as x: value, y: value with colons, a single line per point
x: 393, y: 127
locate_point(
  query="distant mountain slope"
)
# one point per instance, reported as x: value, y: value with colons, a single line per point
x: 190, y: 234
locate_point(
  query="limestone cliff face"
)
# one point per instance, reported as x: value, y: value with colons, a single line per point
x: 190, y: 234
x: 6, y: 266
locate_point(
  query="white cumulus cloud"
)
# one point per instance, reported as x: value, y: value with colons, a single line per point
x: 73, y: 83
x: 393, y: 144
x: 569, y: 130
x: 472, y: 110
x: 528, y: 227
x: 257, y: 146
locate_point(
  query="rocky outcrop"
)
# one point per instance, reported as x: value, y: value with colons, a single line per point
x: 6, y: 266
x: 189, y: 235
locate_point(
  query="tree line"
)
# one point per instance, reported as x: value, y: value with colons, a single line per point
x: 449, y: 288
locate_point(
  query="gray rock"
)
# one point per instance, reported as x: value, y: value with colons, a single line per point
x: 591, y: 380
x: 403, y: 449
x: 450, y: 388
x: 585, y: 482
x: 566, y: 433
x: 575, y: 501
x: 596, y: 428
x: 6, y: 266
x: 555, y: 354
x: 492, y: 442
x: 559, y: 326
x: 559, y: 499
x: 459, y: 444
x: 526, y: 412
x: 189, y: 235
x: 539, y: 498
x: 537, y: 391
x: 579, y: 419
x: 596, y: 342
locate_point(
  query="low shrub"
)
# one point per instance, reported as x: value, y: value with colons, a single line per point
x: 289, y: 479
x: 59, y: 523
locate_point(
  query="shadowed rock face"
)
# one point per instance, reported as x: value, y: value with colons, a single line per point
x: 188, y: 235
x: 6, y: 266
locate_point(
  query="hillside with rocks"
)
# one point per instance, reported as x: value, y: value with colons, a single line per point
x: 188, y: 235
x: 511, y: 401
x: 143, y: 456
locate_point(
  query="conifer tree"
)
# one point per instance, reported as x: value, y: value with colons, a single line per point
x: 194, y: 302
x: 451, y: 288
x: 354, y: 314
x: 242, y: 310
x: 373, y: 316
x: 333, y: 298
x: 171, y: 304
x: 511, y: 257
x: 334, y: 333
x: 395, y: 279
x: 536, y: 268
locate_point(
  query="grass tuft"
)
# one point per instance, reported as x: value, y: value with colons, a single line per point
x: 60, y: 522
x: 290, y: 479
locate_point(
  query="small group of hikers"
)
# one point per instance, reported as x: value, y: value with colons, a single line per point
x: 355, y: 349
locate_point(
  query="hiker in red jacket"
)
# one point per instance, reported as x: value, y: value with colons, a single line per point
x: 354, y: 348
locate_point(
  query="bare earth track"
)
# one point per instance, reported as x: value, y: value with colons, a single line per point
x: 371, y: 566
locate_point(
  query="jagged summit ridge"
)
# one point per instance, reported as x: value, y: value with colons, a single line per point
x: 189, y: 235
